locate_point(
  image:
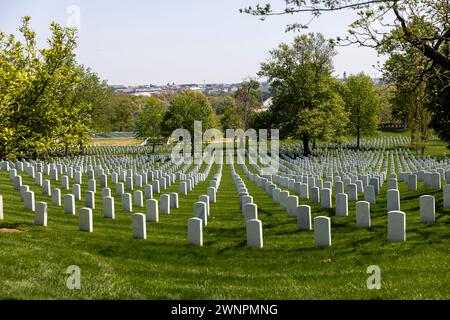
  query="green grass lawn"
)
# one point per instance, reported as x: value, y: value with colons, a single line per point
x: 113, y: 265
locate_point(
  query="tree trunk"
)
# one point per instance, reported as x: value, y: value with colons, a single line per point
x: 306, y: 151
x: 358, y: 139
x: 153, y: 149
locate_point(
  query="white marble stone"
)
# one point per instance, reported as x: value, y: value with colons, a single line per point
x: 28, y: 199
x: 322, y: 231
x: 427, y: 209
x: 250, y: 211
x: 92, y: 185
x: 120, y: 189
x: 393, y: 200
x: 164, y: 203
x: 292, y: 204
x: 139, y: 226
x: 341, y: 205
x: 446, y: 192
x: 396, y: 226
x: 138, y: 199
x: 40, y: 216
x: 412, y: 182
x: 369, y: 194
x: 200, y: 212
x: 304, y: 217
x: 148, y: 191
x: 85, y: 220
x: 363, y: 214
x: 89, y: 199
x: 326, y: 201
x: 315, y: 196
x: 204, y: 198
x: 109, y: 210
x: 174, y: 200
x: 127, y: 203
x: 69, y: 204
x: 195, y: 232
x: 254, y: 233
x: 152, y: 210
x: 76, y: 191
x: 212, y: 194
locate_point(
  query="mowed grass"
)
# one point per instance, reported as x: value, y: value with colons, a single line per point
x: 115, y: 142
x: 33, y: 263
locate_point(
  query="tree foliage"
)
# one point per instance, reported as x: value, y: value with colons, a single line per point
x: 247, y: 100
x: 148, y: 122
x: 362, y: 105
x: 304, y: 99
x: 42, y: 104
x: 187, y: 107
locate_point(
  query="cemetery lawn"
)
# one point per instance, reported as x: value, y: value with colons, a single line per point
x: 115, y: 142
x: 33, y: 262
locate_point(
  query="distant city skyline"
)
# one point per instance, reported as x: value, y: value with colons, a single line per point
x: 160, y: 42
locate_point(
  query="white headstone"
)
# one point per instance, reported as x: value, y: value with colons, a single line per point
x: 212, y: 194
x: 69, y: 204
x: 304, y: 217
x: 195, y: 232
x: 341, y: 205
x: 85, y: 220
x: 427, y: 209
x: 127, y: 204
x: 326, y: 198
x: 369, y: 194
x: 89, y: 199
x: 352, y: 192
x: 92, y: 185
x: 322, y: 231
x: 40, y: 216
x: 138, y: 225
x: 28, y: 199
x: 138, y: 198
x: 393, y: 200
x: 200, y: 212
x: 76, y: 190
x: 363, y: 214
x: 174, y: 200
x: 254, y: 233
x: 412, y: 182
x: 152, y: 210
x: 250, y: 211
x: 46, y: 190
x: 164, y: 204
x: 1, y: 208
x: 292, y: 204
x: 120, y: 189
x: 108, y: 208
x: 148, y: 192
x: 396, y: 226
x: 315, y: 197
x: 446, y: 196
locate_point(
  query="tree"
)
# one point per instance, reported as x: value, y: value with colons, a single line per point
x: 38, y: 89
x: 247, y: 100
x: 303, y: 94
x: 220, y: 103
x: 123, y: 113
x: 378, y: 21
x: 385, y: 94
x: 149, y: 120
x: 362, y: 104
x: 231, y: 118
x: 402, y: 69
x: 188, y: 106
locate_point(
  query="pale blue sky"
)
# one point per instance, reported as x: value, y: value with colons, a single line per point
x: 190, y: 41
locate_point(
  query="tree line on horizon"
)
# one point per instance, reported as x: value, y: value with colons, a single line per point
x: 49, y: 103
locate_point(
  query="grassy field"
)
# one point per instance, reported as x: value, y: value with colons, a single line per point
x: 115, y: 142
x: 33, y: 262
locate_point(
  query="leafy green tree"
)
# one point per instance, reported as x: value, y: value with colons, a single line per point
x: 247, y: 100
x: 220, y: 103
x: 303, y: 90
x: 385, y: 94
x: 231, y: 119
x: 362, y: 104
x: 188, y: 106
x: 149, y: 121
x: 123, y: 113
x: 380, y: 22
x: 37, y: 90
